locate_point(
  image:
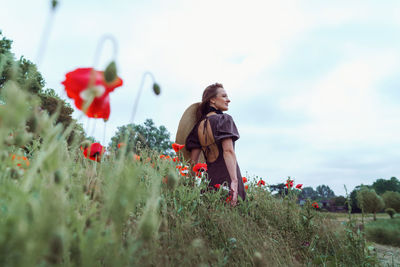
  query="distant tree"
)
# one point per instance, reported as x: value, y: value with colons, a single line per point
x: 324, y: 192
x: 6, y: 60
x: 5, y: 44
x: 369, y: 201
x: 392, y: 200
x: 309, y: 192
x: 391, y: 212
x: 339, y: 201
x: 51, y: 102
x: 28, y: 78
x: 382, y: 185
x: 353, y: 198
x: 148, y: 135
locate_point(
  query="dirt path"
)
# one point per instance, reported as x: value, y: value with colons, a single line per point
x: 389, y: 256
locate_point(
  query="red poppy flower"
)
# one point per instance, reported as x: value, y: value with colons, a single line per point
x: 261, y: 182
x: 199, y: 167
x: 315, y: 205
x: 289, y: 183
x: 83, y: 84
x: 177, y: 147
x: 176, y: 159
x: 244, y: 179
x: 184, y: 171
x: 96, y: 151
x: 121, y: 145
x: 228, y: 199
x: 162, y: 156
x: 246, y: 187
x: 21, y: 160
x: 217, y: 186
x: 178, y: 167
x: 299, y: 186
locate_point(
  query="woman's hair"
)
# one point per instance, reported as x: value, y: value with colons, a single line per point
x: 210, y: 92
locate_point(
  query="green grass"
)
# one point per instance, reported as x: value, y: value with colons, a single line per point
x: 67, y: 210
x: 384, y: 231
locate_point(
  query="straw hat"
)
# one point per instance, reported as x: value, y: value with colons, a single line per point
x: 186, y: 124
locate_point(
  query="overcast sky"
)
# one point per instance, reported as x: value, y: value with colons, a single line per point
x: 314, y: 85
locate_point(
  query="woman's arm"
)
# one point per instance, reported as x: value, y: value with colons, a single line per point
x: 194, y: 155
x: 194, y: 158
x: 230, y: 161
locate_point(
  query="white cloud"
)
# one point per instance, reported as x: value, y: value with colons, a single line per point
x: 344, y: 105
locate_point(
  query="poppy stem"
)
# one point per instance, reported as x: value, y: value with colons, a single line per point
x: 46, y: 34
x: 139, y: 93
x: 94, y: 127
x: 100, y: 45
x: 104, y: 133
x: 87, y: 125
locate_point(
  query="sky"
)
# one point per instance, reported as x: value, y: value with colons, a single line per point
x: 314, y: 85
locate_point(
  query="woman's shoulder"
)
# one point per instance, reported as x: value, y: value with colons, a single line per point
x: 225, y: 127
x: 221, y: 117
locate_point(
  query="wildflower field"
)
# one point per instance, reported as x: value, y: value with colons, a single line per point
x: 68, y: 201
x: 60, y: 205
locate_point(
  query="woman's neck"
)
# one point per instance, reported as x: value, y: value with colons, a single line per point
x: 213, y: 109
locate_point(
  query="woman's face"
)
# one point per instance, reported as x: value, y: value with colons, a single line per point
x: 221, y: 101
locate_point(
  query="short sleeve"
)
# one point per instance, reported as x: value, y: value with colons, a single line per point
x: 192, y: 141
x: 226, y: 128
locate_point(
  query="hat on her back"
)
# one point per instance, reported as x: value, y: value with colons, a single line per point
x: 186, y: 124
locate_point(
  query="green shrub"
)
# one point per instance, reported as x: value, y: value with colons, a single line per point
x: 392, y: 200
x: 391, y: 212
x: 369, y: 201
x: 384, y: 231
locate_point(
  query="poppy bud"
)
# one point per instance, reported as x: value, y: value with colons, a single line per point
x: 85, y: 144
x: 156, y: 88
x: 57, y: 176
x: 110, y: 74
x: 54, y: 4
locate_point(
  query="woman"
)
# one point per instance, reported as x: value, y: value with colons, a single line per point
x: 215, y: 134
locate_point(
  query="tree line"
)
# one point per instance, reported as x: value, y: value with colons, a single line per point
x: 26, y: 75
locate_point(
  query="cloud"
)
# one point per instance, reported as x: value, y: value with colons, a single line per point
x: 313, y: 85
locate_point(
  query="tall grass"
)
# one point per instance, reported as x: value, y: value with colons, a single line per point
x: 64, y: 209
x: 384, y: 231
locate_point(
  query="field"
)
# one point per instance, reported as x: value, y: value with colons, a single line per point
x: 64, y: 205
x: 357, y: 217
x: 58, y: 207
x: 386, y: 252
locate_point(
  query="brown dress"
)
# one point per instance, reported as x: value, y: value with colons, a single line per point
x: 208, y: 135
